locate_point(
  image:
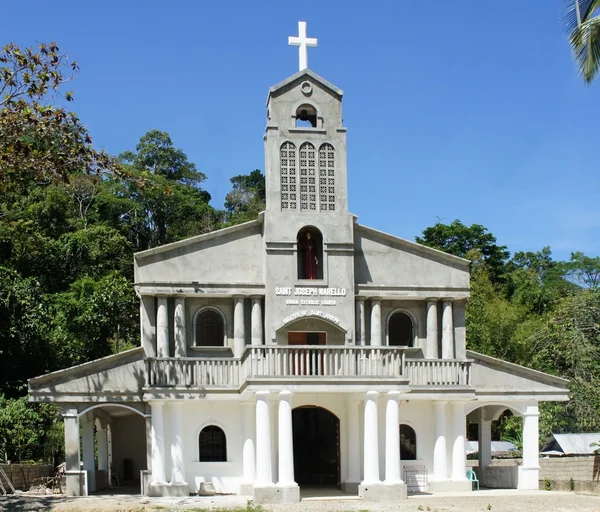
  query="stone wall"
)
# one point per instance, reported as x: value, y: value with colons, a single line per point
x: 584, y: 470
x: 23, y: 476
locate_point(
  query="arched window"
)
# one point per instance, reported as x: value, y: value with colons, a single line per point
x: 212, y: 445
x: 400, y: 330
x: 308, y: 177
x: 310, y: 253
x: 408, y: 443
x: 289, y: 178
x: 210, y: 331
x: 327, y: 177
x: 306, y: 116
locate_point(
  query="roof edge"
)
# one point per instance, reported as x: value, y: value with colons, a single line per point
x: 421, y: 247
x: 197, y: 238
x: 513, y: 366
x: 273, y: 89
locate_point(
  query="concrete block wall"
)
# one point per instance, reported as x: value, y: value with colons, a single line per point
x: 584, y: 470
x: 23, y: 476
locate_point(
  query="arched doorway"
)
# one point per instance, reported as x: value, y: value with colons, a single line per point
x: 316, y: 433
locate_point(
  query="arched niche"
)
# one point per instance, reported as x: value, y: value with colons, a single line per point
x: 309, y: 260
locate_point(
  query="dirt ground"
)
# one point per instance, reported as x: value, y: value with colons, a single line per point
x: 508, y: 501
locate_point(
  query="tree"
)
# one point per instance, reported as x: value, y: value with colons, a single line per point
x: 247, y: 197
x: 40, y: 141
x: 582, y: 270
x: 460, y: 240
x: 582, y: 21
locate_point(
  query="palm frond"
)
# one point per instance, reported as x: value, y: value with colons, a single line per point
x: 585, y: 41
x: 576, y: 12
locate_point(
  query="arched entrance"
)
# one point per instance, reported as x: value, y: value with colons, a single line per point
x: 316, y: 433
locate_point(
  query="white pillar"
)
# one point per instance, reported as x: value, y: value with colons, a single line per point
x: 248, y: 454
x: 162, y: 328
x: 460, y: 330
x: 376, y: 322
x: 89, y: 452
x: 371, y: 440
x: 148, y: 325
x: 447, y: 330
x: 392, y: 439
x: 440, y: 465
x: 485, y: 443
x: 286, y: 441
x: 239, y: 332
x: 360, y: 321
x: 264, y: 472
x: 257, y: 321
x: 432, y: 329
x: 179, y: 321
x: 353, y: 441
x: 158, y: 444
x: 459, y: 454
x: 72, y: 455
x: 531, y: 464
x: 102, y: 442
x: 177, y: 465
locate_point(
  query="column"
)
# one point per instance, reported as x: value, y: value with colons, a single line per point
x: 447, y: 330
x: 286, y: 442
x: 432, y: 329
x: 460, y: 331
x: 371, y: 440
x: 257, y: 321
x: 72, y: 456
x: 264, y: 473
x: 360, y: 321
x: 248, y: 454
x: 531, y: 464
x: 375, y: 322
x: 177, y: 466
x: 239, y: 333
x: 485, y: 444
x: 179, y: 327
x: 89, y: 449
x: 162, y: 328
x: 459, y: 455
x: 353, y: 447
x: 158, y: 444
x: 148, y: 325
x: 392, y: 439
x: 440, y: 466
x: 102, y: 442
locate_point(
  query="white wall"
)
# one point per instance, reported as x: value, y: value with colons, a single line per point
x: 129, y: 442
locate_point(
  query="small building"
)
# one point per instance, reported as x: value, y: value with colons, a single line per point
x: 299, y: 349
x: 571, y: 444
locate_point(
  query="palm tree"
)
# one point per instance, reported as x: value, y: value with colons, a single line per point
x: 582, y: 19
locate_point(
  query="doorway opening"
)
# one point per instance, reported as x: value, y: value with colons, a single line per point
x: 307, y: 338
x: 316, y: 434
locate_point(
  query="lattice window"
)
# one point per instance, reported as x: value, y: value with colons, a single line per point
x: 212, y: 445
x: 327, y: 177
x: 308, y: 177
x: 289, y: 176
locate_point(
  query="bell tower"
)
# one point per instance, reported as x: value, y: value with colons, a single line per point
x: 308, y: 231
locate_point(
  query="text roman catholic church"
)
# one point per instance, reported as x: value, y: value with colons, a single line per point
x: 300, y: 349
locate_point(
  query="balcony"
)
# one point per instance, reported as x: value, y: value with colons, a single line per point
x: 310, y: 363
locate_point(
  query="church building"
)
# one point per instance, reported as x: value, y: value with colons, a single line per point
x: 301, y: 349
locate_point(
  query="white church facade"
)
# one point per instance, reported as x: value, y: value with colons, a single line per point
x: 300, y: 349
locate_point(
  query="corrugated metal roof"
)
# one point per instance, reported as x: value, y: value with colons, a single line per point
x: 576, y: 444
x: 497, y: 446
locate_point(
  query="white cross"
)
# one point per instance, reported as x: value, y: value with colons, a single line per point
x: 303, y: 42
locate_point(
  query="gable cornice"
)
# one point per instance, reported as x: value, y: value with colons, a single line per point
x: 305, y: 73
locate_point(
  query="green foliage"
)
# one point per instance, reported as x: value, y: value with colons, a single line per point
x: 547, y: 485
x: 247, y: 197
x: 571, y: 484
x: 582, y: 21
x: 25, y: 428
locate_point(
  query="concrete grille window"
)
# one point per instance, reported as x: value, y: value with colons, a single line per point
x: 289, y: 200
x: 327, y: 177
x: 209, y: 329
x: 308, y: 177
x: 212, y: 445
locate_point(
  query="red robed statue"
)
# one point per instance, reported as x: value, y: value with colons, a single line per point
x: 309, y: 247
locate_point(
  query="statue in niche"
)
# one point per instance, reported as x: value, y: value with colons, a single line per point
x: 309, y: 248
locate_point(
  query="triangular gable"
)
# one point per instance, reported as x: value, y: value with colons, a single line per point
x: 119, y: 377
x: 492, y: 377
x: 289, y: 82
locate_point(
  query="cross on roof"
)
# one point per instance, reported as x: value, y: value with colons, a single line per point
x: 303, y: 43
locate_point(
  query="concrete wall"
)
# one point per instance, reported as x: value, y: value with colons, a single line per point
x: 584, y: 470
x: 23, y: 476
x: 129, y: 442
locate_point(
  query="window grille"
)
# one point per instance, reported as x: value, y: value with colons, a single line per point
x: 308, y: 172
x: 327, y: 177
x: 212, y: 445
x: 288, y: 172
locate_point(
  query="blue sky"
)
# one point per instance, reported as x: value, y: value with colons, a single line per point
x: 455, y: 110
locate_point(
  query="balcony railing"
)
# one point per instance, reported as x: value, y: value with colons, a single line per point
x: 304, y: 362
